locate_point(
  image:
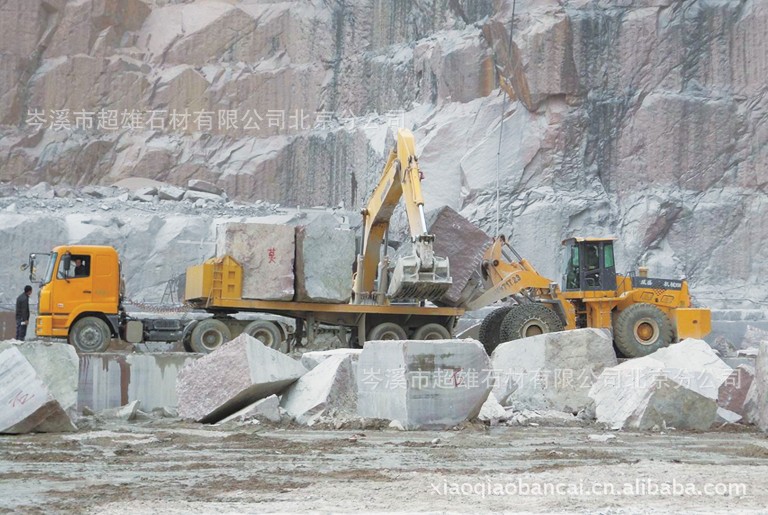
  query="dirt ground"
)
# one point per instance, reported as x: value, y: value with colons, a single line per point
x: 165, y: 466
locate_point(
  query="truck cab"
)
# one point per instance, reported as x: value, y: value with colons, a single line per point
x: 80, y: 293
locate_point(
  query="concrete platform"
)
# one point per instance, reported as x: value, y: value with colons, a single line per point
x: 111, y: 380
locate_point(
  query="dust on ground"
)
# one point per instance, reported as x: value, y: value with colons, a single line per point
x: 166, y: 466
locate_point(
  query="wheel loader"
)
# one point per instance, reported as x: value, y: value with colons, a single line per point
x: 644, y: 313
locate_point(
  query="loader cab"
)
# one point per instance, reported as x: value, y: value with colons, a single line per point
x: 589, y: 265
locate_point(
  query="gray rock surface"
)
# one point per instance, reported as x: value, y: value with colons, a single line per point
x: 27, y: 403
x: 266, y: 253
x: 232, y: 377
x: 324, y: 258
x: 733, y: 393
x: 311, y: 359
x: 328, y: 390
x: 423, y: 384
x: 761, y: 388
x: 267, y: 409
x: 552, y: 371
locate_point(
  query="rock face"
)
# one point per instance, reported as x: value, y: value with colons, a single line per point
x: 761, y: 388
x: 552, y: 371
x: 27, y: 402
x: 266, y: 253
x: 676, y: 386
x: 232, y: 377
x: 734, y: 391
x: 423, y: 384
x: 324, y: 258
x: 604, y: 132
x: 311, y: 359
x: 329, y: 389
x: 264, y: 410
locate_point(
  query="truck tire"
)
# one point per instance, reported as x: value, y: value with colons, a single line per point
x: 529, y: 320
x: 208, y: 335
x: 641, y: 329
x: 387, y: 331
x: 432, y: 332
x: 490, y: 328
x: 267, y: 332
x: 90, y: 334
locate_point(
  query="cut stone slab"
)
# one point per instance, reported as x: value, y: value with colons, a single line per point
x: 266, y: 253
x: 171, y: 193
x: 232, y: 377
x: 125, y: 413
x: 57, y: 365
x: 761, y: 387
x: 196, y: 196
x: 27, y: 403
x: 264, y: 410
x: 552, y: 371
x: 733, y: 392
x: 324, y: 258
x: 423, y: 384
x: 328, y: 390
x: 676, y: 386
x: 204, y: 186
x: 311, y: 359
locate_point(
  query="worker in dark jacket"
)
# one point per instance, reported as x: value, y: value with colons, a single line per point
x: 22, y: 313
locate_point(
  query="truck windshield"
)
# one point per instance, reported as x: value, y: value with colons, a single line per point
x: 49, y: 269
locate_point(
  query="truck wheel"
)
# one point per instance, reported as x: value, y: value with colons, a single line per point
x: 387, y: 331
x: 267, y: 332
x: 90, y: 334
x: 490, y: 329
x: 208, y: 335
x: 431, y: 332
x: 641, y: 329
x: 529, y: 320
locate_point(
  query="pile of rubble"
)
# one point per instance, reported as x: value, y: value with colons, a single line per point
x: 561, y: 379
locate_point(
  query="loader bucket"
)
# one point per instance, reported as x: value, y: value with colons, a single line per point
x: 411, y: 282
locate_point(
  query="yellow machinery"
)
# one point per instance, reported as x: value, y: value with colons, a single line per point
x: 644, y: 313
x: 418, y: 276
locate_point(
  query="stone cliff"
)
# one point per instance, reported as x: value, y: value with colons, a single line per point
x: 643, y: 119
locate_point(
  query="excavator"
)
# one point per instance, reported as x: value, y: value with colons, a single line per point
x: 644, y: 313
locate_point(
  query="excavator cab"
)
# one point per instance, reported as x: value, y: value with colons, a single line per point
x: 590, y: 265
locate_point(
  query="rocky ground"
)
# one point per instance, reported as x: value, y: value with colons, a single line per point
x: 165, y: 466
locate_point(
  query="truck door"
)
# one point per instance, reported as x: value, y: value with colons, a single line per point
x: 73, y: 284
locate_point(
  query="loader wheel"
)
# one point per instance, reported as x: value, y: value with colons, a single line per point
x: 641, y: 329
x: 266, y: 332
x: 529, y: 320
x: 90, y: 334
x: 208, y: 335
x: 490, y: 328
x: 387, y: 331
x: 432, y: 332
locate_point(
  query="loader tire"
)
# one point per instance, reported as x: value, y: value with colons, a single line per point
x: 90, y: 334
x: 529, y: 320
x: 490, y: 328
x: 208, y: 335
x: 641, y: 329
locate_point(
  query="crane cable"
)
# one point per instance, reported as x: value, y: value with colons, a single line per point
x: 501, y: 128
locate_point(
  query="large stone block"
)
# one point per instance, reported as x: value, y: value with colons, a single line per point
x: 732, y: 394
x: 311, y: 359
x: 266, y: 253
x: 552, y: 371
x: 56, y: 364
x: 324, y: 259
x: 232, y: 377
x: 114, y: 380
x: 329, y: 389
x: 761, y: 382
x: 27, y: 403
x: 423, y: 384
x: 676, y: 386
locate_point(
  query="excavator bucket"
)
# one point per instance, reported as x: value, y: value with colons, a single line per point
x: 413, y: 281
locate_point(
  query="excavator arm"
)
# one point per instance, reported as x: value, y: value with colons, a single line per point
x: 419, y: 276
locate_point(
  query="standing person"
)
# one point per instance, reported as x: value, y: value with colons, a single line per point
x: 22, y: 313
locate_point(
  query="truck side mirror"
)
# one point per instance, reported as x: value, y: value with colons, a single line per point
x: 66, y: 261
